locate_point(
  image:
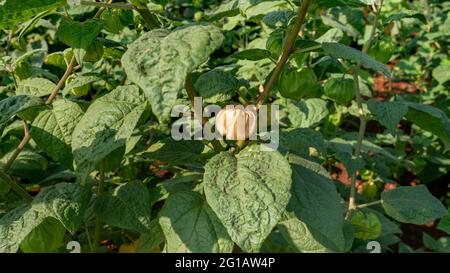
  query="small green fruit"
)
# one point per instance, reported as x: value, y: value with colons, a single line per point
x: 340, y: 90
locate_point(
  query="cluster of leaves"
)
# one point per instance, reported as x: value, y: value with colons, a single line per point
x: 86, y: 92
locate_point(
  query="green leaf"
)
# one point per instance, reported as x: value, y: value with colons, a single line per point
x: 37, y: 87
x: 248, y: 192
x: 147, y: 242
x: 45, y: 238
x: 405, y: 14
x: 388, y: 114
x: 444, y: 224
x: 175, y: 152
x: 441, y: 74
x: 299, y: 141
x: 190, y: 225
x: 299, y: 235
x: 367, y: 225
x: 342, y: 51
x: 306, y: 113
x: 413, y: 205
x: 217, y: 86
x: 128, y: 207
x: 13, y: 12
x: 252, y: 54
x: 316, y: 202
x: 11, y: 106
x: 430, y: 119
x: 52, y: 130
x: 81, y: 81
x: 64, y: 202
x: 79, y: 35
x: 107, y: 125
x: 159, y: 62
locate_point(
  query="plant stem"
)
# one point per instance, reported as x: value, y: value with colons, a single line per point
x: 16, y: 187
x: 62, y: 81
x: 190, y: 89
x: 362, y: 116
x: 98, y: 223
x: 369, y: 204
x: 287, y: 50
x: 23, y: 143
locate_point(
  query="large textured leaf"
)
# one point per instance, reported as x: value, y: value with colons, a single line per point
x: 52, y: 130
x: 342, y: 51
x: 190, y: 225
x: 64, y: 202
x: 128, y: 206
x: 298, y: 235
x: 315, y: 202
x: 388, y: 114
x: 430, y: 119
x: 38, y: 87
x: 248, y: 192
x: 79, y: 35
x: 106, y: 126
x: 159, y: 62
x: 16, y: 11
x: 14, y: 105
x: 413, y: 205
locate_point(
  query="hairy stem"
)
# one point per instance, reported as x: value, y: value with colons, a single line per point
x: 98, y: 223
x: 362, y: 116
x: 287, y: 50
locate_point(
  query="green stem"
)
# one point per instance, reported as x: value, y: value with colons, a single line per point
x: 287, y: 50
x: 23, y: 143
x: 98, y: 223
x: 16, y: 187
x: 369, y: 204
x: 362, y: 116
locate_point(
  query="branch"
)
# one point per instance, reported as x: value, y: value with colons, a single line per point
x: 362, y: 116
x: 287, y: 50
x: 62, y: 81
x: 369, y: 204
x: 23, y: 143
x: 16, y: 187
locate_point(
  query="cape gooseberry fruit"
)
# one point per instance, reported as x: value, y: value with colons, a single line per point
x: 340, y: 90
x: 297, y: 83
x: 382, y: 50
x: 236, y: 123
